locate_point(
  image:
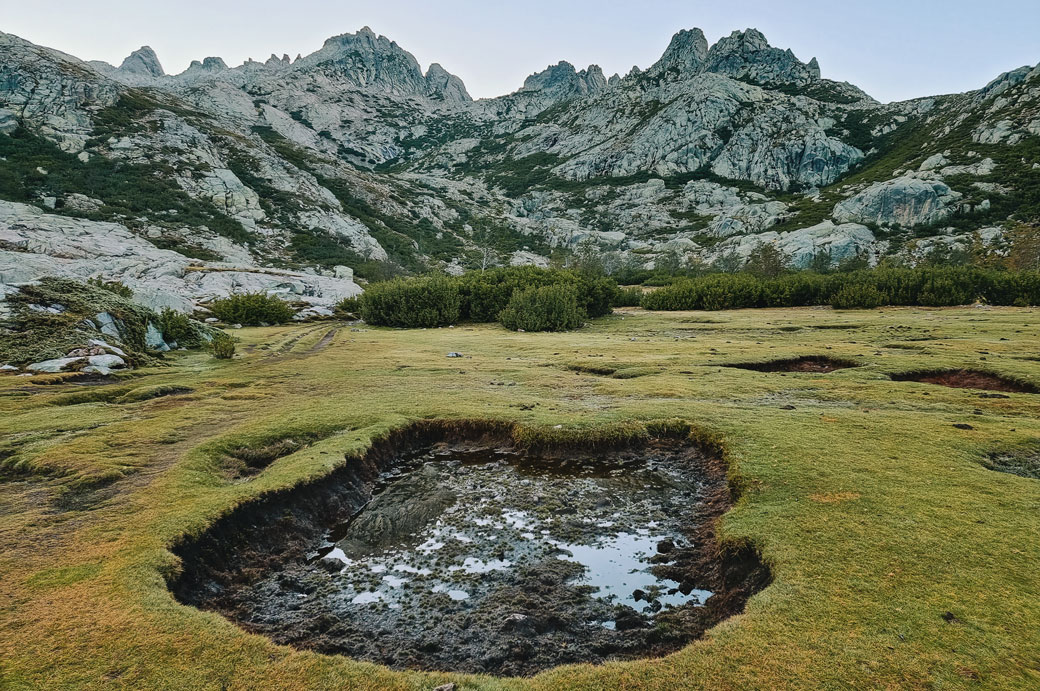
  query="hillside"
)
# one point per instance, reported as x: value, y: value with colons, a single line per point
x: 353, y: 161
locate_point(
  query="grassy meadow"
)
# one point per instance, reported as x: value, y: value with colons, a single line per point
x: 899, y: 559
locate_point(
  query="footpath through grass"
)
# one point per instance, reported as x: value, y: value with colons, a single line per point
x: 900, y: 560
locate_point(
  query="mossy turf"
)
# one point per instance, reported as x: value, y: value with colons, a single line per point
x: 900, y: 560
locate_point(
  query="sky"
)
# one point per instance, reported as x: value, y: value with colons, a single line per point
x: 893, y: 49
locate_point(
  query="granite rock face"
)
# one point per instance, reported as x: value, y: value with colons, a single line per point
x: 38, y: 245
x: 51, y: 92
x: 143, y: 61
x: 748, y: 55
x: 905, y: 202
x: 354, y: 154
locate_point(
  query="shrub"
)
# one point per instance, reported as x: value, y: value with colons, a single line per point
x: 628, y: 297
x: 348, y: 308
x: 476, y: 296
x: 117, y: 287
x: 926, y: 286
x: 596, y: 294
x: 179, y: 328
x: 223, y: 346
x: 412, y: 303
x: 548, y: 308
x: 486, y: 294
x: 251, y: 309
x: 858, y: 296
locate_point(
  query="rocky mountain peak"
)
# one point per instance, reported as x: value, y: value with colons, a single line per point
x: 685, y: 54
x: 443, y: 84
x: 747, y: 55
x: 563, y: 81
x: 366, y: 60
x: 276, y: 62
x: 210, y: 64
x: 143, y: 62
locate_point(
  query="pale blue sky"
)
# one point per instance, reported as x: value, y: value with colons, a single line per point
x: 894, y: 49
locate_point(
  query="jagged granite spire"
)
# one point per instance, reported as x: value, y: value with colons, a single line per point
x: 144, y: 62
x: 748, y: 55
x: 684, y: 56
x: 210, y: 64
x: 444, y: 85
x: 562, y: 81
x: 367, y: 60
x: 278, y: 62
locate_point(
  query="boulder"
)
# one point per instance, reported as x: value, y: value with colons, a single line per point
x: 109, y: 325
x: 56, y: 365
x: 104, y: 364
x: 904, y: 202
x: 153, y: 338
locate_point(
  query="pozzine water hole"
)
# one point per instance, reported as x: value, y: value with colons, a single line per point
x: 481, y: 558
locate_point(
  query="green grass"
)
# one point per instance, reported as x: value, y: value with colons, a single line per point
x: 876, y: 515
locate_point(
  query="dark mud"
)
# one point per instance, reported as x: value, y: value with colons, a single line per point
x: 811, y: 363
x: 456, y: 551
x: 968, y: 379
x: 1023, y: 462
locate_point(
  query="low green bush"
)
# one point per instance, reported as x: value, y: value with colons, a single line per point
x: 117, y: 287
x: 348, y: 308
x: 628, y: 297
x: 858, y: 296
x: 412, y: 303
x: 546, y: 308
x: 924, y: 286
x: 223, y: 346
x: 181, y: 329
x: 477, y: 296
x: 251, y: 309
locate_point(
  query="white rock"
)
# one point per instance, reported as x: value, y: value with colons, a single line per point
x: 102, y: 344
x: 903, y: 202
x: 56, y: 365
x: 153, y: 338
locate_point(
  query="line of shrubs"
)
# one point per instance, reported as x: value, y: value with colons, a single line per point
x: 527, y: 298
x: 926, y: 286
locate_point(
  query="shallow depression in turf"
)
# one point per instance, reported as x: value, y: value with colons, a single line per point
x: 485, y: 559
x: 820, y: 364
x: 463, y: 524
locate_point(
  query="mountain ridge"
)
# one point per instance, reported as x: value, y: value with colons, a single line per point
x: 354, y: 156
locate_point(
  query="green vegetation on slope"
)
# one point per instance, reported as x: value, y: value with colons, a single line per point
x: 34, y: 168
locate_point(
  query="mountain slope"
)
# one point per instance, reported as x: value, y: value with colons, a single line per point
x: 353, y: 156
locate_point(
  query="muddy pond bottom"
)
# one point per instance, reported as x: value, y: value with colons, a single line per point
x: 462, y: 525
x: 486, y: 560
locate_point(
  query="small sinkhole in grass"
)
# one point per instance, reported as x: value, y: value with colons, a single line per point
x: 968, y: 379
x: 1021, y: 462
x: 479, y: 557
x: 808, y: 363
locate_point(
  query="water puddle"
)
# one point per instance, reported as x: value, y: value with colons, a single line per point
x: 462, y: 524
x: 482, y: 560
